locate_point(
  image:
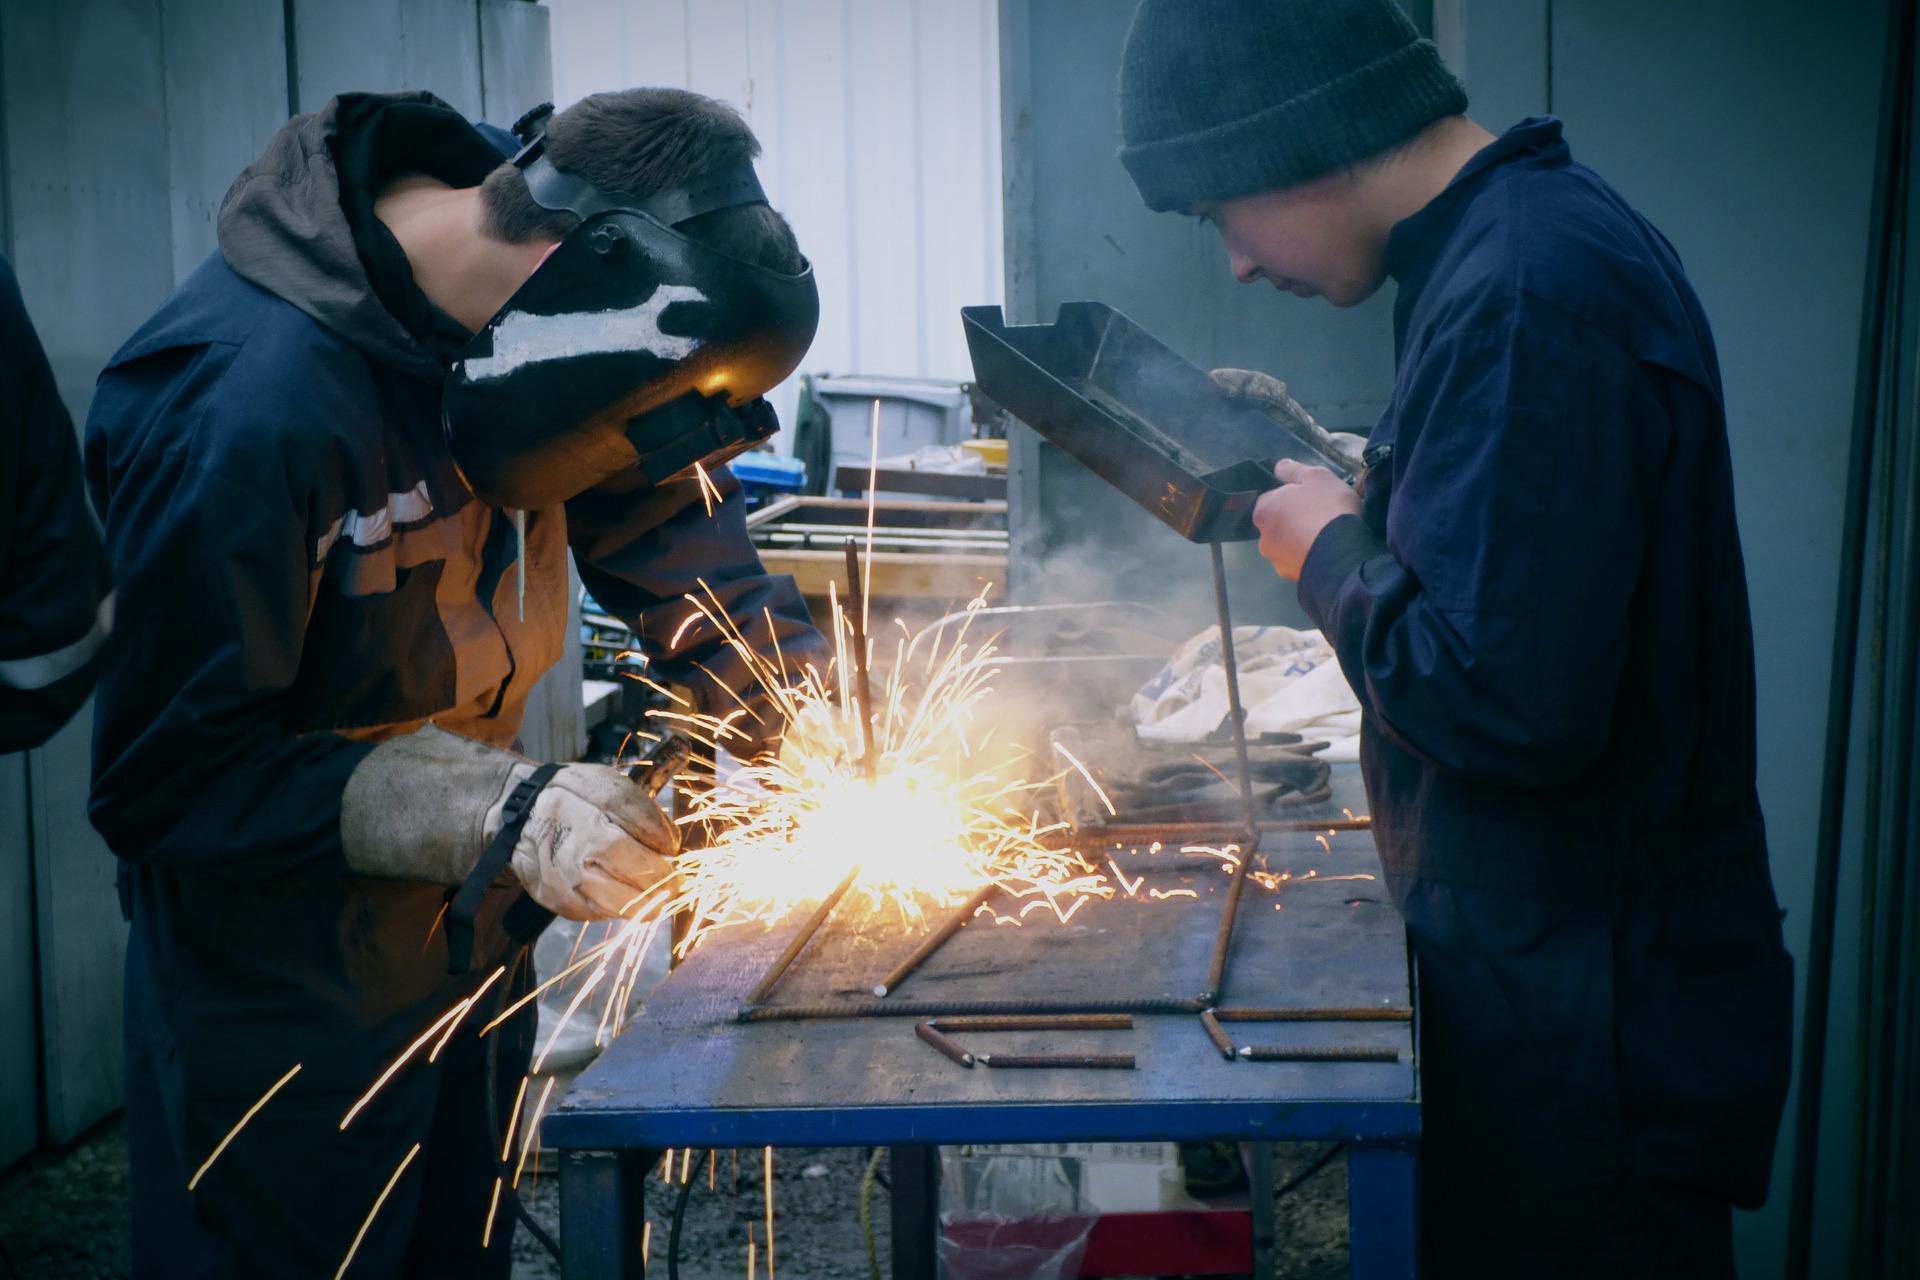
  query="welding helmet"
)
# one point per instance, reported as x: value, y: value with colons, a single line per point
x: 630, y: 346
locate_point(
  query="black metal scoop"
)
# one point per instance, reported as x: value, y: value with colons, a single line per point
x: 1132, y: 411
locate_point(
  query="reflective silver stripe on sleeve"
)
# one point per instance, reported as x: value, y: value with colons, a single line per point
x: 44, y: 669
x: 371, y: 530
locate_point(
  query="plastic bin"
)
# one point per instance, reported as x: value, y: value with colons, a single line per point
x: 914, y: 413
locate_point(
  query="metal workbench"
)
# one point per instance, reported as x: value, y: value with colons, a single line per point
x: 688, y: 1074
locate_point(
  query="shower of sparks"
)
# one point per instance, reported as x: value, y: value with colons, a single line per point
x: 530, y: 1140
x: 235, y: 1131
x: 1088, y: 775
x: 446, y: 1021
x: 493, y: 1207
x: 708, y: 493
x: 947, y: 810
x: 769, y: 1184
x: 375, y: 1211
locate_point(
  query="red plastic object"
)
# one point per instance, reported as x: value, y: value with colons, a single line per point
x: 1190, y: 1242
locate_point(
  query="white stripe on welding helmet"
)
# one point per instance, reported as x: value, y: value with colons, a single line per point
x: 376, y: 527
x: 522, y: 338
x: 43, y: 669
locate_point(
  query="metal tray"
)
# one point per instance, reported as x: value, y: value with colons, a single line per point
x: 1133, y: 412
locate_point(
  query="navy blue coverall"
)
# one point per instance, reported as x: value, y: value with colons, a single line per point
x: 303, y: 574
x: 1543, y: 611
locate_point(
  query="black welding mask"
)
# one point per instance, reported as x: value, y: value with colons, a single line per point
x: 630, y: 346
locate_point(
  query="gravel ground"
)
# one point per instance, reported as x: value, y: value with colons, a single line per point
x: 64, y: 1216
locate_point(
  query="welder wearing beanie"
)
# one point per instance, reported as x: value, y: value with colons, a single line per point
x: 1537, y: 593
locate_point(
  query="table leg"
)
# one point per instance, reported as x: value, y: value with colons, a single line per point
x: 1383, y: 1212
x: 603, y: 1213
x: 915, y: 1173
x: 1260, y: 1187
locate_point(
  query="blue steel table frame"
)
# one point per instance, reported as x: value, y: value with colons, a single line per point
x: 687, y: 1074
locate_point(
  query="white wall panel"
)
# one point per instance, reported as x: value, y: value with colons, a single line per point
x: 516, y: 61
x: 880, y: 125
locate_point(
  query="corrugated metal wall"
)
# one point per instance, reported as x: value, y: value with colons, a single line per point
x: 124, y: 123
x: 880, y: 123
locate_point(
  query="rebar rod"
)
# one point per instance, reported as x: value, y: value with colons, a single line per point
x: 937, y: 939
x: 1359, y: 1013
x: 1317, y: 1053
x: 1083, y: 1061
x: 956, y: 1008
x: 1038, y: 1022
x: 778, y: 969
x: 1217, y: 1034
x: 863, y: 684
x: 932, y: 1035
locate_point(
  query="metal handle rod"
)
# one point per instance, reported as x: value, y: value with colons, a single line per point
x: 1223, y: 939
x: 863, y: 685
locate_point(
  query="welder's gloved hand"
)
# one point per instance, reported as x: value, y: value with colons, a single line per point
x: 1268, y: 394
x: 425, y: 805
x: 593, y: 846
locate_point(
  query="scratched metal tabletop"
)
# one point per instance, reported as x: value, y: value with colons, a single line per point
x: 688, y: 1073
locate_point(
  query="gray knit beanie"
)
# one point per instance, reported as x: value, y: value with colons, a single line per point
x: 1225, y: 98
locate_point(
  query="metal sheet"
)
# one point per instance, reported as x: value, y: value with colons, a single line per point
x: 346, y: 45
x: 226, y: 85
x: 82, y: 939
x: 440, y: 51
x: 87, y: 159
x: 516, y: 59
x: 688, y: 1074
x: 19, y: 1049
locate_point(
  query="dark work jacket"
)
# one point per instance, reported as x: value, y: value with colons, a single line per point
x: 1543, y: 608
x: 305, y: 574
x: 55, y: 607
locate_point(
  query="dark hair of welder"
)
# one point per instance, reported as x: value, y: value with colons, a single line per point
x: 643, y: 141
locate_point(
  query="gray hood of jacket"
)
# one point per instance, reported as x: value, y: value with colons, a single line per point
x: 281, y: 227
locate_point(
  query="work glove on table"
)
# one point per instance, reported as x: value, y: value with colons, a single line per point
x: 1268, y: 394
x: 425, y: 805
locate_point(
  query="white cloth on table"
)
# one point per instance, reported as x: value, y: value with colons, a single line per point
x: 1290, y: 682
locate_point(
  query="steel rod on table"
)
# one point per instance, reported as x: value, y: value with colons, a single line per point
x: 1317, y: 1053
x: 863, y: 684
x: 828, y: 1011
x: 1038, y: 1022
x: 937, y: 939
x: 932, y: 1035
x: 1083, y: 1061
x: 1217, y: 1034
x: 772, y: 976
x: 1223, y: 938
x: 1359, y: 1013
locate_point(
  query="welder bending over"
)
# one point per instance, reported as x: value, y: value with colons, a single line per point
x: 340, y: 470
x: 1537, y: 593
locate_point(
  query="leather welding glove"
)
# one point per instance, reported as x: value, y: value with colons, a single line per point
x: 1268, y: 394
x: 425, y: 805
